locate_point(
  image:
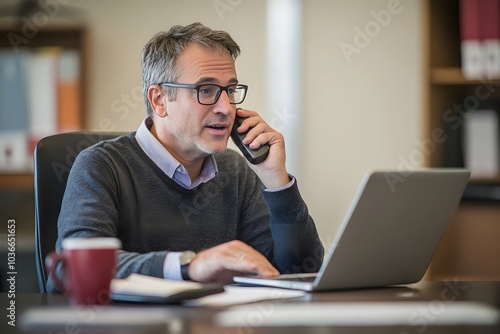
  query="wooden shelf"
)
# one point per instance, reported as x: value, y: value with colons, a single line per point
x: 492, y: 181
x: 454, y: 76
x: 64, y: 35
x: 16, y: 181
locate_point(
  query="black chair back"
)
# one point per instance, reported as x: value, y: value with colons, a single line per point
x: 53, y: 158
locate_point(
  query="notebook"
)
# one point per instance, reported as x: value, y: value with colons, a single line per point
x: 389, y: 234
x: 138, y: 288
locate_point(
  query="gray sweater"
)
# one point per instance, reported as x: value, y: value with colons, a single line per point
x: 115, y: 190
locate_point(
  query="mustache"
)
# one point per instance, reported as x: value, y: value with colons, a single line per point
x: 219, y: 119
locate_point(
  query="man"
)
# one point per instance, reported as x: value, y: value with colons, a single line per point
x: 183, y: 206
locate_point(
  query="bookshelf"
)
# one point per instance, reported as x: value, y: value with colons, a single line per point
x: 57, y: 38
x: 470, y: 249
x: 16, y: 185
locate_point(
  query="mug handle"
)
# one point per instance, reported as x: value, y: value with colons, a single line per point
x: 51, y: 261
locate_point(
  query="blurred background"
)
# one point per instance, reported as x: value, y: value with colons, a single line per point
x: 345, y: 81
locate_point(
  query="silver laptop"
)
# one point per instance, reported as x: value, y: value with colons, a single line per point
x: 389, y: 234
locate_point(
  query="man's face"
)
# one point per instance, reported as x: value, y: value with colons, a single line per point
x: 198, y: 130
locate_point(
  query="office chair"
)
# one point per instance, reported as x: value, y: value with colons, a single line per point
x: 54, y: 155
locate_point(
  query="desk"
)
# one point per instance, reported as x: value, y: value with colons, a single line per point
x: 201, y: 320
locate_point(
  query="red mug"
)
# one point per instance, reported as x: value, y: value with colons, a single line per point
x: 88, y: 268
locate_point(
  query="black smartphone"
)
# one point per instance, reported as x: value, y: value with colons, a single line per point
x: 254, y: 156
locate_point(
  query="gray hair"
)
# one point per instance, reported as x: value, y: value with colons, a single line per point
x: 160, y: 54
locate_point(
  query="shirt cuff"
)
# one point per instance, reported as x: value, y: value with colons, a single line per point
x: 172, y: 266
x: 286, y: 186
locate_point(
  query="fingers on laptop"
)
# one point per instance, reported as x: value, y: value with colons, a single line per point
x: 222, y: 262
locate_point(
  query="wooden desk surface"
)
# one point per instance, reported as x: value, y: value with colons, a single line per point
x: 200, y: 320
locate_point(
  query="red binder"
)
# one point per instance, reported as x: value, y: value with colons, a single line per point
x: 472, y: 68
x: 489, y: 36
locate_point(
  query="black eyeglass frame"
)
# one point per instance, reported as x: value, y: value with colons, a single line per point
x: 217, y: 96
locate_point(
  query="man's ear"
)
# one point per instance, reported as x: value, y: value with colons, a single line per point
x: 156, y: 98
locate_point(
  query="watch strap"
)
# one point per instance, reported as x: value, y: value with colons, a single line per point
x: 185, y: 272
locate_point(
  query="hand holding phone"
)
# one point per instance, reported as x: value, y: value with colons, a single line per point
x: 254, y: 156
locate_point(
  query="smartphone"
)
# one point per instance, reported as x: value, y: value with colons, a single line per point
x: 254, y: 156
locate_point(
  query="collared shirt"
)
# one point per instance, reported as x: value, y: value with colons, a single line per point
x: 176, y: 171
x: 167, y: 163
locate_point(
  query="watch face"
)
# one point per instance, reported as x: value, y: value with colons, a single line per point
x: 186, y: 257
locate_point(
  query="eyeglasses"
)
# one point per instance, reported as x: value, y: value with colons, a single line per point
x: 208, y: 94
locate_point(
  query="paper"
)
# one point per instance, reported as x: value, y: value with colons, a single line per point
x: 234, y: 295
x: 359, y: 314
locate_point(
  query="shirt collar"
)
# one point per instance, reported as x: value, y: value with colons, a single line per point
x: 167, y: 163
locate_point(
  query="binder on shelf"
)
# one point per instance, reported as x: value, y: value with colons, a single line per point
x: 42, y: 95
x: 489, y: 36
x: 480, y: 39
x: 13, y: 113
x: 481, y: 143
x: 482, y: 192
x: 39, y: 96
x: 68, y: 91
x: 470, y: 46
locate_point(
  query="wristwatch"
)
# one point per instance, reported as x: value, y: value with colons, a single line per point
x: 185, y: 259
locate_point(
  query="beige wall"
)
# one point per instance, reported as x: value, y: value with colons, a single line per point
x: 361, y: 115
x: 357, y: 115
x: 118, y: 30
